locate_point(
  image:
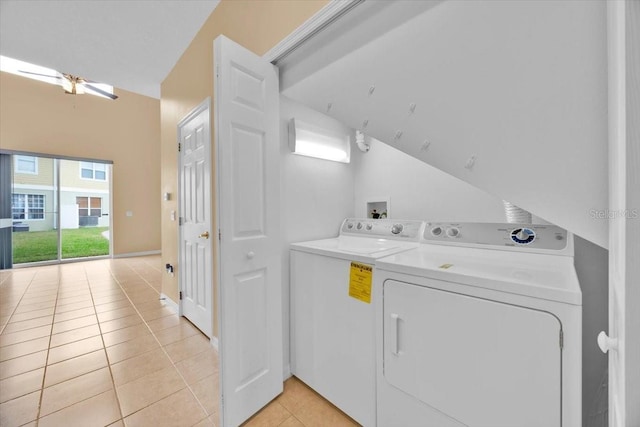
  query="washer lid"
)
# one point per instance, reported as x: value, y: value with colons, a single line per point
x: 541, y: 276
x: 349, y: 246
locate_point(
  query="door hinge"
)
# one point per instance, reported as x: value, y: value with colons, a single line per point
x: 219, y: 235
x: 561, y: 339
x: 217, y: 70
x: 181, y: 295
x: 179, y: 147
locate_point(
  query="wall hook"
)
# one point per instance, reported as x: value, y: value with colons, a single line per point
x: 365, y: 123
x: 470, y: 162
x: 372, y: 89
x: 425, y: 146
x: 397, y: 135
x: 329, y: 105
x: 412, y: 108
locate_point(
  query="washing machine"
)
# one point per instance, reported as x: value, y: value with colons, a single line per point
x: 480, y: 326
x: 332, y: 313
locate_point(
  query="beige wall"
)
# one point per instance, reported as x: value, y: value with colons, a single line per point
x: 258, y: 26
x: 39, y: 117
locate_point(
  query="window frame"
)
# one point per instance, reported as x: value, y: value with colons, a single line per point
x: 27, y: 207
x: 18, y: 157
x: 93, y: 171
x: 89, y: 208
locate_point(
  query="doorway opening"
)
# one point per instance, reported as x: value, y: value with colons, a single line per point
x: 58, y: 209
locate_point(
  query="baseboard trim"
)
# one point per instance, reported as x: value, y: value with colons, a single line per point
x: 170, y: 303
x: 135, y: 254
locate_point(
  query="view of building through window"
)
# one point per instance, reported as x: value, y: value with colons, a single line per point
x: 60, y: 209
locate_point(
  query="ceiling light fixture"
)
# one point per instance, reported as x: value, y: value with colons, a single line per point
x: 73, y: 85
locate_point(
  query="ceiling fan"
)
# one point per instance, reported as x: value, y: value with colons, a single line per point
x: 75, y: 85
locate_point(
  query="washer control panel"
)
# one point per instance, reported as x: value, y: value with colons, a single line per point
x: 533, y: 236
x: 383, y: 228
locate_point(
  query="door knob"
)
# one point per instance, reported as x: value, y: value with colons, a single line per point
x: 250, y: 254
x: 605, y: 343
x: 204, y: 235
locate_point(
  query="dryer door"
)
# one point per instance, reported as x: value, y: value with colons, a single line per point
x: 482, y: 362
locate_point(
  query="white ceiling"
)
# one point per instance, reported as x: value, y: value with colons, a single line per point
x: 130, y: 44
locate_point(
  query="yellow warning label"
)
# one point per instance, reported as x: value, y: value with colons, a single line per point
x: 445, y: 266
x: 360, y: 282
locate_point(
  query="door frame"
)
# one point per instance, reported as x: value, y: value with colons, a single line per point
x: 203, y: 106
x: 623, y: 27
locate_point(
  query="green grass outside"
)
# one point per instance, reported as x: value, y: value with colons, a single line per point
x: 32, y: 246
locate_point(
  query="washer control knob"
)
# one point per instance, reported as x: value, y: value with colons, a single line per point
x: 436, y: 231
x: 397, y: 228
x: 453, y: 232
x: 349, y: 226
x: 369, y: 227
x: 359, y: 226
x: 523, y: 236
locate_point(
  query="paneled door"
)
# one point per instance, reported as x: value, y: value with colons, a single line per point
x: 196, y: 276
x: 246, y: 124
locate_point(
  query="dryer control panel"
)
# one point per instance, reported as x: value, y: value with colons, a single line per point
x: 524, y: 237
x: 383, y: 228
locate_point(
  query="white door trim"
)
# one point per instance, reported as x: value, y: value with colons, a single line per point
x: 204, y: 105
x: 623, y: 29
x: 324, y: 17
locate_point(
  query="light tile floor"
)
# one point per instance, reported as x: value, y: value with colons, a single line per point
x: 91, y: 344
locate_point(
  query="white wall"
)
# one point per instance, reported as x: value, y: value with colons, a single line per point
x: 417, y: 190
x: 316, y: 196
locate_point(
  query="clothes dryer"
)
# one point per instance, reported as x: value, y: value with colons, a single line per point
x: 480, y: 326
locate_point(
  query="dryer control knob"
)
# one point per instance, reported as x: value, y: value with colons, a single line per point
x: 359, y: 226
x: 369, y: 227
x: 453, y: 232
x: 397, y: 228
x: 436, y: 231
x: 523, y: 236
x: 349, y: 225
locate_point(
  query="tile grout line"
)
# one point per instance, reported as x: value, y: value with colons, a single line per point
x: 46, y: 362
x: 104, y: 346
x: 2, y: 328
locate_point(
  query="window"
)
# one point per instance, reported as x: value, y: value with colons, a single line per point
x: 97, y: 171
x: 89, y: 206
x: 26, y: 164
x: 27, y: 206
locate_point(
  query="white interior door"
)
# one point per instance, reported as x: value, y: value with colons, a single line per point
x: 246, y: 123
x: 196, y: 284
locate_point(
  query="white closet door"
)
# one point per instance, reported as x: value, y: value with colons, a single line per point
x: 246, y: 112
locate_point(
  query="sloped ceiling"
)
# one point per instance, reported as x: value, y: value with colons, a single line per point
x: 510, y: 97
x: 131, y: 44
